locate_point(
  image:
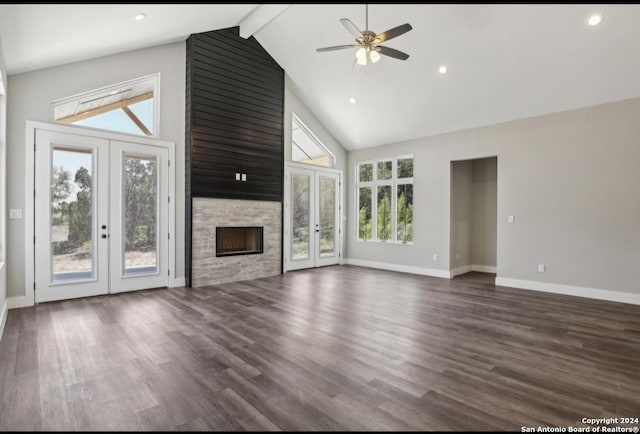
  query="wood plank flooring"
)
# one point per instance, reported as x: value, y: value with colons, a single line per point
x: 337, y: 348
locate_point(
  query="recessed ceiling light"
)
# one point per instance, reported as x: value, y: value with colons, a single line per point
x: 443, y: 69
x: 352, y: 100
x: 595, y: 19
x: 140, y: 17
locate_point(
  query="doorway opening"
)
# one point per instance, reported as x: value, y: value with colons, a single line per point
x: 474, y: 219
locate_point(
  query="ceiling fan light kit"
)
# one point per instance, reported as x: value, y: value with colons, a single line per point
x: 368, y: 42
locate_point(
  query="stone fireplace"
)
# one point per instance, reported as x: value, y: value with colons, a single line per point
x: 241, y: 218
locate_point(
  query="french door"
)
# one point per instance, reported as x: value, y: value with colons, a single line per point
x: 312, y: 217
x: 101, y: 223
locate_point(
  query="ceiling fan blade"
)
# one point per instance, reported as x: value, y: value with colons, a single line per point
x: 351, y: 28
x: 392, y: 33
x: 392, y: 53
x: 337, y: 47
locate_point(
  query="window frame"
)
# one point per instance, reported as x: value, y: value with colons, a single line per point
x: 394, y: 182
x: 155, y: 134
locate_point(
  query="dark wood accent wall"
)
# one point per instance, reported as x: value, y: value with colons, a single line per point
x: 234, y: 121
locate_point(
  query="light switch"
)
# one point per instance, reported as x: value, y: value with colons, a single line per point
x: 237, y: 177
x: 244, y: 176
x: 541, y: 268
x: 435, y: 258
x: 512, y: 219
x: 15, y: 213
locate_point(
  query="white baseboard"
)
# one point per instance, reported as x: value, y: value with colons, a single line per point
x: 177, y: 282
x: 3, y: 317
x: 484, y: 268
x: 21, y: 301
x: 396, y: 267
x: 467, y: 268
x: 598, y: 294
x: 460, y: 270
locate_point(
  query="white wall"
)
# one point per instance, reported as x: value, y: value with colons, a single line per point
x: 484, y: 208
x: 571, y: 180
x: 293, y: 104
x: 30, y: 99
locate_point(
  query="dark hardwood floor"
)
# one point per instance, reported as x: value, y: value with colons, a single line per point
x: 337, y: 348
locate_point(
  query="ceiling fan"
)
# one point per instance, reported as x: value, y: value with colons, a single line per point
x: 368, y: 41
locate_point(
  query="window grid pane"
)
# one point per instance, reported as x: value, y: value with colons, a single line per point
x: 404, y: 213
x: 384, y: 170
x: 366, y: 172
x: 364, y: 214
x: 384, y: 213
x: 405, y: 168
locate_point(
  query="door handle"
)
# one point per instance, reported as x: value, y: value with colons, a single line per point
x: 104, y: 226
x: 105, y: 236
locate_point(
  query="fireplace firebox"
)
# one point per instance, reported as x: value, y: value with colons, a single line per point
x: 239, y: 240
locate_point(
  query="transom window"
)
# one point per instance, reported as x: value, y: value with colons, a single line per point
x: 127, y: 107
x: 306, y: 147
x: 385, y: 200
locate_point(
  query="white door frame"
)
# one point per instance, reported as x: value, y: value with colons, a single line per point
x: 29, y: 203
x: 287, y: 206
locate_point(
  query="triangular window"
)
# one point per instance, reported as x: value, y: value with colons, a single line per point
x: 306, y: 147
x: 128, y: 107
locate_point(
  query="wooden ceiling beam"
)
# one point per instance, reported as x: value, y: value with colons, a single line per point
x: 136, y: 120
x: 106, y: 108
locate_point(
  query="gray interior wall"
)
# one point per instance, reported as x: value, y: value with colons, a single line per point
x: 484, y: 211
x: 571, y: 180
x: 293, y: 104
x: 461, y: 218
x: 30, y: 99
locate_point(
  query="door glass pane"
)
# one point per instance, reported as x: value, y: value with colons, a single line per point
x: 384, y: 213
x: 300, y: 217
x: 140, y: 197
x: 72, y: 209
x: 327, y: 216
x: 364, y: 213
x: 405, y: 212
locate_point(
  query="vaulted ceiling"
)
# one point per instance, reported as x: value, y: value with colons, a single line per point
x: 505, y: 62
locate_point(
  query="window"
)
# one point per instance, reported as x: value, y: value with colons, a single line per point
x: 385, y: 200
x: 127, y: 107
x: 306, y: 147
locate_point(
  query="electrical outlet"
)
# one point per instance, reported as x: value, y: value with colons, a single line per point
x: 435, y: 258
x: 512, y: 219
x: 457, y: 256
x: 540, y: 268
